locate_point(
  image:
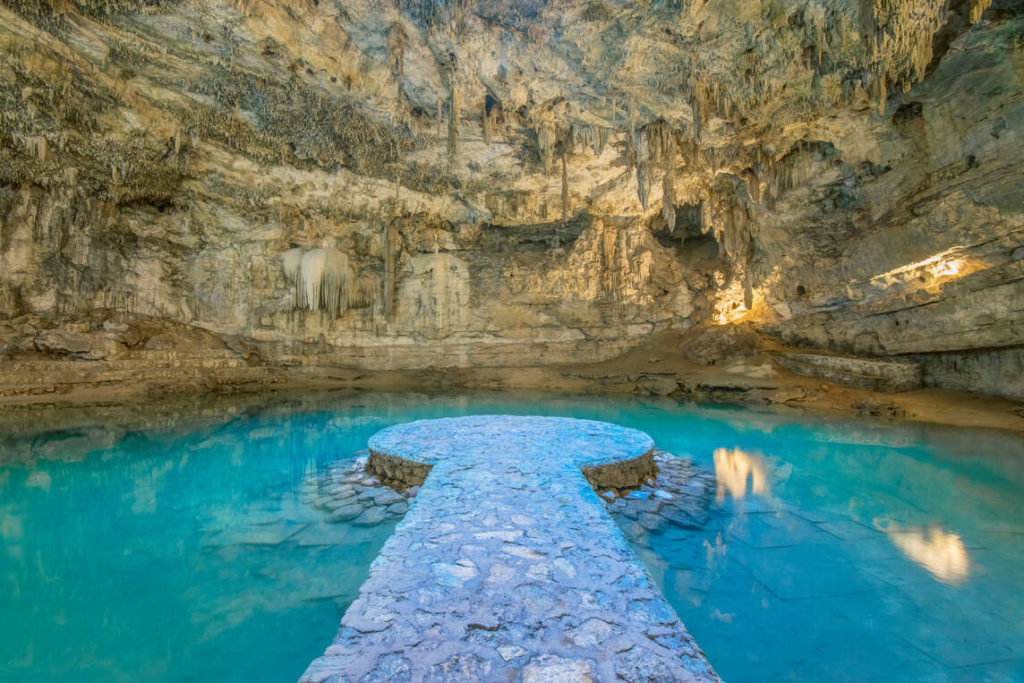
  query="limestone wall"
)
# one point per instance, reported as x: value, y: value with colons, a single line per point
x: 516, y: 187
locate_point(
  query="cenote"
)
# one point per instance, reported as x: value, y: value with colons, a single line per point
x: 391, y: 340
x: 832, y: 550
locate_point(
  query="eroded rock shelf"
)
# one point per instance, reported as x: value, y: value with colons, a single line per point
x: 507, y: 565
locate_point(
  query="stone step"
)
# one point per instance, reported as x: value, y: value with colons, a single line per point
x: 43, y: 367
x: 49, y: 375
x: 860, y: 373
x: 183, y: 354
x: 47, y: 379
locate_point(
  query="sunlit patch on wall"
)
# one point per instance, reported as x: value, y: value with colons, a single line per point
x: 934, y: 270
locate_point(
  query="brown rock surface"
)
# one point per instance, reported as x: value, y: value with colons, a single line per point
x: 841, y: 176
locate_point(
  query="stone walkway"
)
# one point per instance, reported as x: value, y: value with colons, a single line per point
x: 507, y: 566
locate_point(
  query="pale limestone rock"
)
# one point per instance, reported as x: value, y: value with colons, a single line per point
x: 846, y: 175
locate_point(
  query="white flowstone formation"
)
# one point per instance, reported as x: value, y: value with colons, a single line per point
x: 322, y: 278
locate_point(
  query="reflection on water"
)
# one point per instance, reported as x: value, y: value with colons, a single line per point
x: 734, y: 468
x: 939, y: 551
x: 857, y: 566
x: 173, y: 556
x: 189, y: 554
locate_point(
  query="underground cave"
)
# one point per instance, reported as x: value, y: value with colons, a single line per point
x: 511, y: 340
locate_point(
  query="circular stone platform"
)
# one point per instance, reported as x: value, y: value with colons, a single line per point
x: 609, y: 455
x: 507, y: 565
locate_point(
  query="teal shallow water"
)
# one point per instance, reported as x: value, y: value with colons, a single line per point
x: 831, y: 551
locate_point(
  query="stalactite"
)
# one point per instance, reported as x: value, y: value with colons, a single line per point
x: 632, y: 121
x: 643, y: 187
x: 291, y: 261
x: 668, y: 201
x: 367, y: 292
x: 546, y: 140
x: 881, y: 90
x: 454, y: 122
x: 697, y: 118
x: 565, y: 189
x: 725, y: 213
x: 654, y: 148
x: 753, y: 185
x: 735, y: 237
x: 978, y: 8
x: 390, y: 248
x: 582, y: 135
x: 491, y: 116
x: 396, y: 44
x: 485, y: 122
x: 668, y: 183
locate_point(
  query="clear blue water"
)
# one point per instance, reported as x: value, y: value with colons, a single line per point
x: 832, y: 551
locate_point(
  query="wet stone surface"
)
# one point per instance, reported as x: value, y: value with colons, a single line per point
x: 507, y: 565
x: 681, y: 496
x: 346, y: 493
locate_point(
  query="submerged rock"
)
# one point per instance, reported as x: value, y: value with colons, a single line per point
x: 370, y: 517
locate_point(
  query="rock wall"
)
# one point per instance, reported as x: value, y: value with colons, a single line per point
x: 928, y: 251
x: 514, y: 183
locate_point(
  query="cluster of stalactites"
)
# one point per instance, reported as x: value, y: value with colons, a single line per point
x: 366, y: 294
x: 555, y: 139
x: 655, y: 148
x: 454, y: 121
x: 753, y: 175
x: 491, y: 116
x: 896, y: 50
x: 791, y: 171
x: 727, y: 213
x: 547, y: 138
x: 708, y: 99
x: 36, y: 146
x: 587, y: 136
x: 564, y: 140
x: 899, y: 37
x: 396, y: 44
x: 978, y: 8
x: 322, y: 279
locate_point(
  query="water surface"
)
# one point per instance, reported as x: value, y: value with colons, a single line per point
x: 831, y: 550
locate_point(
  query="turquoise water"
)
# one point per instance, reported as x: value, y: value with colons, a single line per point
x: 831, y: 551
